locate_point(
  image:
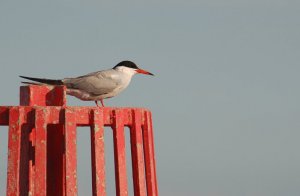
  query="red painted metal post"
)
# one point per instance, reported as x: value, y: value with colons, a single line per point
x: 149, y: 156
x: 40, y: 180
x: 120, y: 154
x: 137, y: 154
x: 42, y: 145
x: 70, y: 152
x: 14, y: 177
x: 97, y: 147
x: 34, y: 95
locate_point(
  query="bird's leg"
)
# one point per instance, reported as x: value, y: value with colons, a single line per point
x: 102, y: 102
x: 97, y: 103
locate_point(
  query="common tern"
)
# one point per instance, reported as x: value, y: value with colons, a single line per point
x: 98, y: 85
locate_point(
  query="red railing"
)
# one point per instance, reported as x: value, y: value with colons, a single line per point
x: 42, y: 145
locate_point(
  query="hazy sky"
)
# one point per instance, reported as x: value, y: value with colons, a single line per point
x: 225, y: 98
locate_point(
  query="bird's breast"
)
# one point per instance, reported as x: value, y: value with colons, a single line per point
x: 123, y: 82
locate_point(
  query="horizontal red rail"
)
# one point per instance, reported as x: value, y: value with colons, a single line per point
x: 83, y: 115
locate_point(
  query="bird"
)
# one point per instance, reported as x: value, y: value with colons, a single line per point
x: 98, y: 85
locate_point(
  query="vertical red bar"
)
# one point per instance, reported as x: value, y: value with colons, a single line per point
x: 119, y: 153
x: 70, y: 153
x: 149, y: 156
x: 14, y: 148
x: 40, y: 181
x: 153, y: 150
x: 98, y: 158
x: 56, y: 96
x: 137, y: 153
x: 35, y: 95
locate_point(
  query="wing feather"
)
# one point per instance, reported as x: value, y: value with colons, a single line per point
x: 96, y: 83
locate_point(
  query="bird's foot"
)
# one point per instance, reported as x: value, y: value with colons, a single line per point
x: 102, y: 103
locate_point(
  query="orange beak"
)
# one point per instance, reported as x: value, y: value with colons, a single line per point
x: 141, y: 71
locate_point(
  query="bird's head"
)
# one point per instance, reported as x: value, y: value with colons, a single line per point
x: 131, y: 68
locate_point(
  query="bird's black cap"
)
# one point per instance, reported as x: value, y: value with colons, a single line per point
x: 128, y: 64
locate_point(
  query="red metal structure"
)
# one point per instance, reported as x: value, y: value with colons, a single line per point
x: 42, y: 145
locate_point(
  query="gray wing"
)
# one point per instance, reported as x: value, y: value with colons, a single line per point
x: 96, y: 83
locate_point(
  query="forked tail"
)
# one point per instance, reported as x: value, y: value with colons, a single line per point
x: 42, y: 81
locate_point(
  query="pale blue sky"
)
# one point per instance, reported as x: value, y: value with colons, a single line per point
x: 225, y: 98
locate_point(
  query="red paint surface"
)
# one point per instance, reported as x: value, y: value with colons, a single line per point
x: 97, y: 147
x: 149, y: 156
x: 70, y: 153
x: 40, y: 163
x: 120, y: 154
x: 42, y: 145
x: 137, y: 153
x: 14, y: 146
